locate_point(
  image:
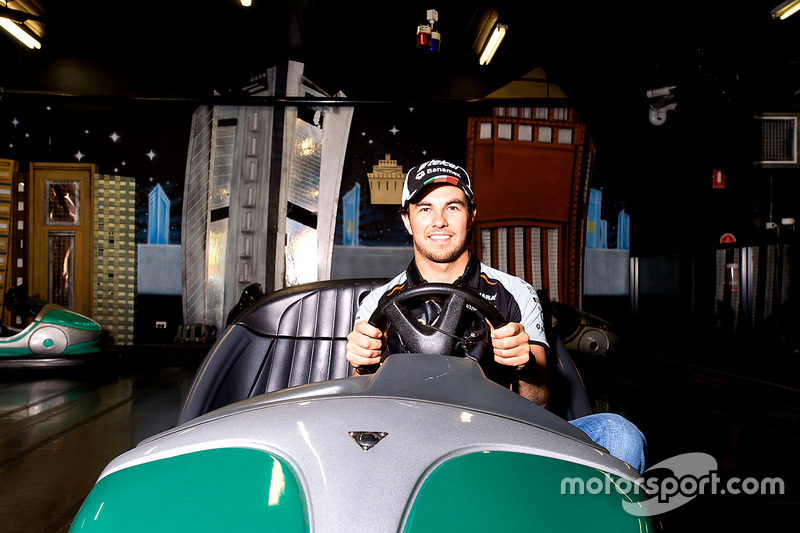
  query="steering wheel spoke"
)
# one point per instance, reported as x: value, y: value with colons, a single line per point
x: 452, y: 312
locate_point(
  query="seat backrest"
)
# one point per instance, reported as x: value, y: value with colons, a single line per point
x: 568, y: 396
x: 291, y: 337
x: 298, y: 335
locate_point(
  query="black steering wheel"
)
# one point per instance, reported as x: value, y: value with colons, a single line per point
x: 443, y: 338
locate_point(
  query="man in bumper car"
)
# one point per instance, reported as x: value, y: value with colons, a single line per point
x: 438, y: 212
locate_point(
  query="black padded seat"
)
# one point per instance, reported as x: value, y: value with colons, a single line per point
x: 291, y: 337
x: 298, y: 335
x: 568, y: 396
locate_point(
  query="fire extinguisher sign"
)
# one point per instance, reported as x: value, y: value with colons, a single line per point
x: 719, y: 179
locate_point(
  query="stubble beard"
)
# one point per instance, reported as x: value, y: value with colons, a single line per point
x: 442, y: 256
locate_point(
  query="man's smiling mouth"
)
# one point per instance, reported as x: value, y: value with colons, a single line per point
x: 440, y: 237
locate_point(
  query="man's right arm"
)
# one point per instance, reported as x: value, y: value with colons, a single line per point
x: 364, y: 345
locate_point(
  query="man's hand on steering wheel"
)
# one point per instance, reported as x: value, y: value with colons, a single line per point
x: 510, y: 344
x: 364, y: 345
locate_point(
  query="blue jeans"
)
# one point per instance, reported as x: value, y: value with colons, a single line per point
x: 616, y: 434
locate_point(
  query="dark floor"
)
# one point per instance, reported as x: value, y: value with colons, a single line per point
x: 719, y: 396
x: 58, y: 429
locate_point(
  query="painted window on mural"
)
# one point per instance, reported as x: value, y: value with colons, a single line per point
x: 62, y: 203
x: 564, y: 136
x: 61, y: 252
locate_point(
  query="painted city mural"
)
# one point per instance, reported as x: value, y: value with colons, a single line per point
x: 137, y: 154
x: 211, y: 195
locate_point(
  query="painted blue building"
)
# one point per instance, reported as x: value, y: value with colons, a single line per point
x: 623, y: 231
x: 158, y: 221
x: 350, y: 207
x: 595, y: 229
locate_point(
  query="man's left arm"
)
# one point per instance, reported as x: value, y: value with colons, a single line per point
x: 512, y: 347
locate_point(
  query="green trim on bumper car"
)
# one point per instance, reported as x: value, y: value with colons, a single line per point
x: 66, y: 318
x: 507, y: 491
x: 13, y: 352
x: 226, y: 489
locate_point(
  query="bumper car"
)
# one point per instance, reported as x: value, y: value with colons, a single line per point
x: 582, y: 332
x: 56, y: 336
x: 277, y: 435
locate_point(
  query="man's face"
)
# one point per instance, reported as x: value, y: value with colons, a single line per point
x: 439, y: 223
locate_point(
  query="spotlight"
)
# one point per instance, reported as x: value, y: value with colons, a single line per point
x: 427, y: 38
x: 423, y: 36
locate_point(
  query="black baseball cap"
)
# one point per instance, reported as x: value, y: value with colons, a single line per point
x: 434, y: 172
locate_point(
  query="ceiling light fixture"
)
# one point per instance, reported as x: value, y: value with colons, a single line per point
x: 494, y: 41
x: 786, y: 9
x: 247, y: 3
x: 16, y: 30
x: 429, y: 39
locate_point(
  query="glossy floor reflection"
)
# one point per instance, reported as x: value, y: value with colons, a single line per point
x: 737, y: 402
x: 59, y: 429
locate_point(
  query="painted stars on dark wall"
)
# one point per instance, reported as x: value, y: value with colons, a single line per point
x: 143, y: 142
x: 147, y: 143
x: 410, y: 135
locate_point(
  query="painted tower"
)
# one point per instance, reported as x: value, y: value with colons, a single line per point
x: 531, y: 167
x: 261, y: 193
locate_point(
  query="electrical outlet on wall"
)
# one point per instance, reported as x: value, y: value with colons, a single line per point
x: 161, y: 324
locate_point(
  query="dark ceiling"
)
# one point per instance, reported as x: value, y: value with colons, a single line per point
x: 727, y: 60
x: 602, y: 53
